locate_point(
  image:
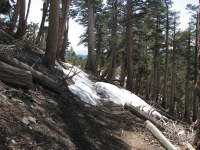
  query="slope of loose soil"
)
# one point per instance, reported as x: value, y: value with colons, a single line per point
x: 62, y: 121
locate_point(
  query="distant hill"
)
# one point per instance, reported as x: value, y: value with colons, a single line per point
x: 83, y: 56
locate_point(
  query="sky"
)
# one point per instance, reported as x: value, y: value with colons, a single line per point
x: 76, y: 30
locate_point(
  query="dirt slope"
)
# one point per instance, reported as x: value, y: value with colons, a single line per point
x: 39, y: 119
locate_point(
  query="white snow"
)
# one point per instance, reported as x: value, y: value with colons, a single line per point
x: 90, y: 92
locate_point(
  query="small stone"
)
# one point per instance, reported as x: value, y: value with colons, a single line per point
x: 13, y: 141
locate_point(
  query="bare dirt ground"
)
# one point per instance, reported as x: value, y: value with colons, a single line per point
x: 39, y: 119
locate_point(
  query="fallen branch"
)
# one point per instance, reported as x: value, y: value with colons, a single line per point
x: 159, y: 136
x: 142, y: 115
x: 37, y: 76
x: 15, y: 76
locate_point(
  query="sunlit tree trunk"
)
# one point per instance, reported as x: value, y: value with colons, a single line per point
x: 22, y: 19
x: 41, y: 30
x: 52, y: 39
x: 90, y: 64
x: 129, y: 84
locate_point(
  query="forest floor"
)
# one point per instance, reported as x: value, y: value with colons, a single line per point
x: 39, y: 119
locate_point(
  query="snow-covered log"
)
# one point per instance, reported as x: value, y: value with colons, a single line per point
x: 37, y: 76
x: 15, y: 76
x: 159, y: 136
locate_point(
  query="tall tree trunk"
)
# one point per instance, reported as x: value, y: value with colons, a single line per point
x: 41, y: 30
x: 129, y: 84
x: 195, y: 103
x: 197, y: 86
x: 13, y: 20
x: 22, y: 19
x: 52, y: 39
x: 112, y: 67
x: 156, y: 64
x: 90, y: 64
x: 65, y: 43
x: 62, y: 24
x: 166, y: 61
x: 187, y: 90
x: 171, y: 103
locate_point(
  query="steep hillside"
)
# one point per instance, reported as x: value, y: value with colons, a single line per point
x: 41, y: 119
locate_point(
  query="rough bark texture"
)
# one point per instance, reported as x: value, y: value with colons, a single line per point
x: 90, y: 64
x: 159, y: 136
x: 129, y: 84
x: 37, y: 76
x: 15, y: 76
x: 52, y: 39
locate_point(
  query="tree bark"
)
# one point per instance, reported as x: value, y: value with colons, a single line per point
x: 15, y: 76
x: 52, y: 38
x: 159, y: 136
x: 37, y: 76
x: 129, y: 83
x: 90, y: 64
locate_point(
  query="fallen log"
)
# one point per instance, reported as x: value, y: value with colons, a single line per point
x: 142, y: 115
x: 37, y: 76
x: 159, y: 136
x: 15, y: 76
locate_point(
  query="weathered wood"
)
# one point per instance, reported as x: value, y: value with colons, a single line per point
x: 37, y: 76
x: 142, y: 115
x: 15, y: 76
x: 159, y: 136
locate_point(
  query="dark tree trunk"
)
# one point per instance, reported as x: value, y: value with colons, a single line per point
x: 129, y: 84
x: 90, y: 64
